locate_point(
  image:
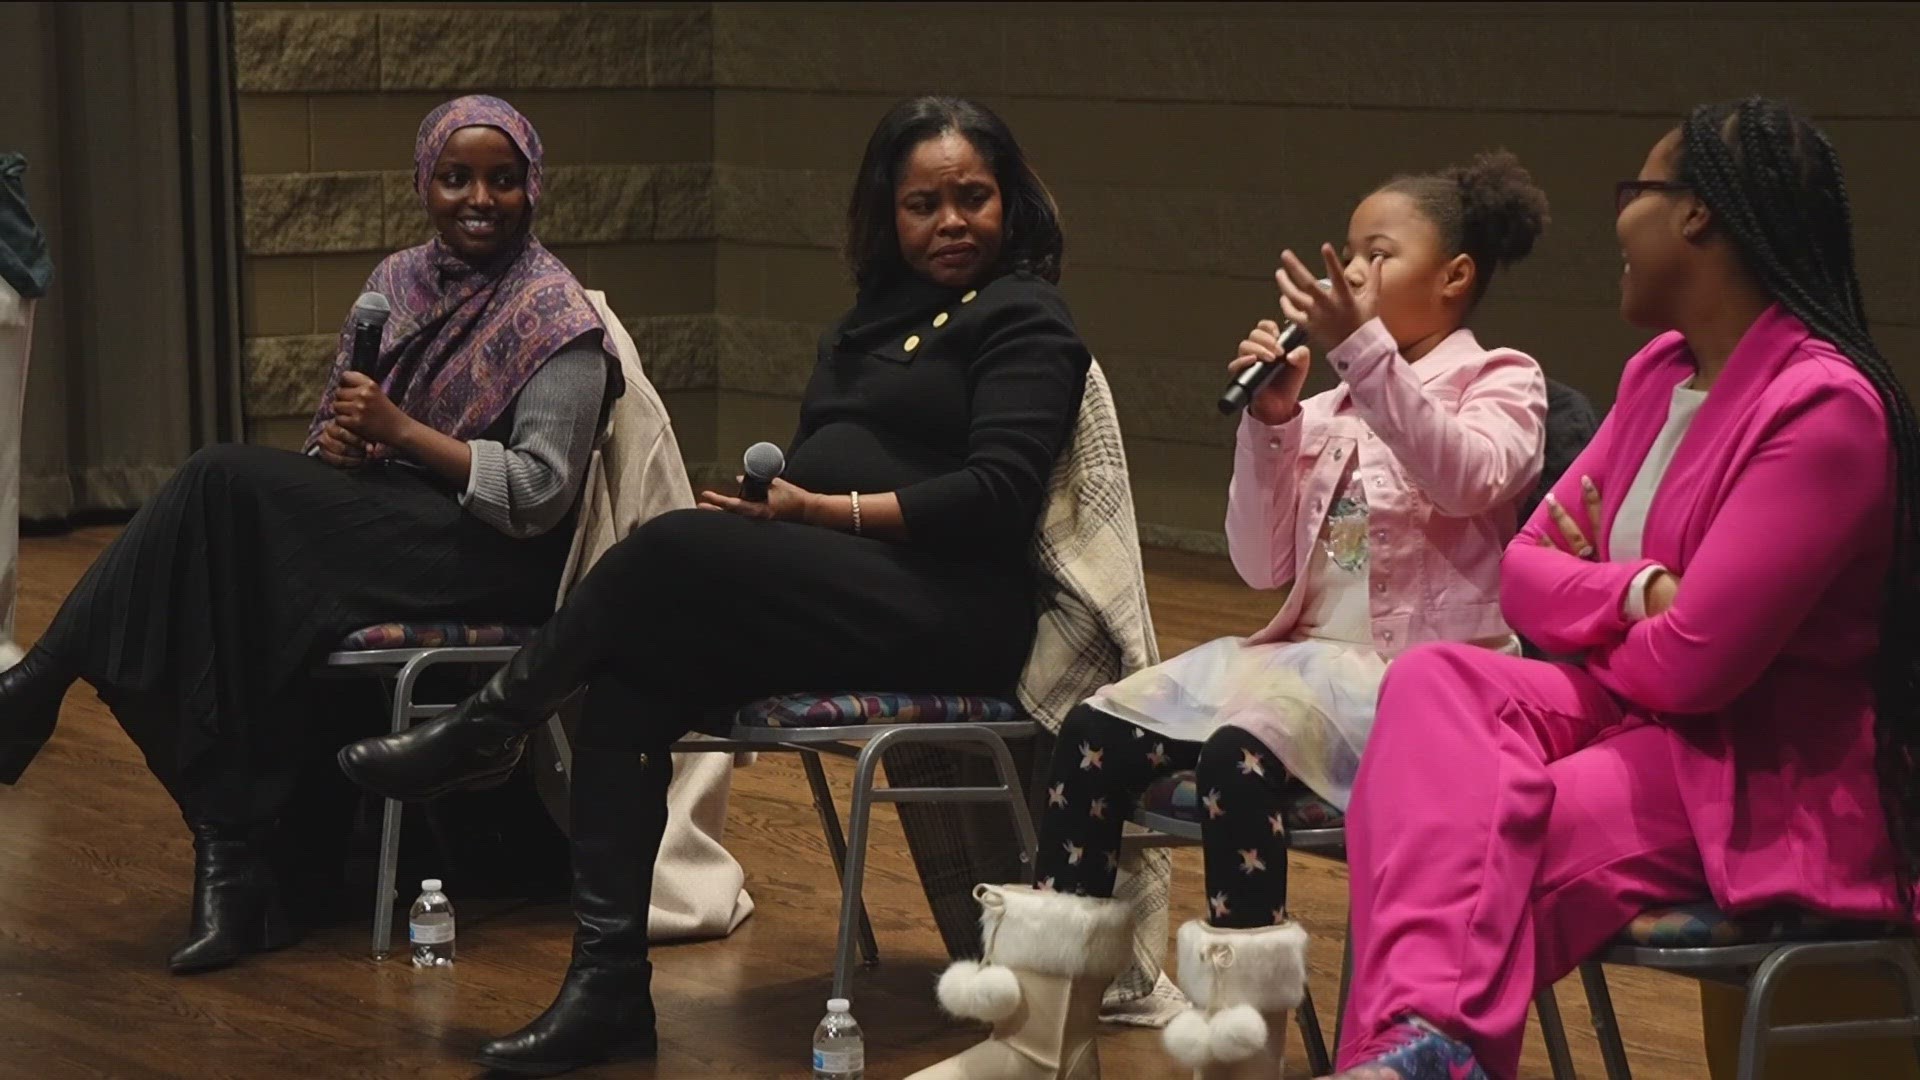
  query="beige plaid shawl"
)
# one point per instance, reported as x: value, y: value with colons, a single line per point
x: 1094, y: 624
x: 1095, y: 628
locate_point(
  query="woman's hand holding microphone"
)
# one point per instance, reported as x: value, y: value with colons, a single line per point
x: 363, y: 415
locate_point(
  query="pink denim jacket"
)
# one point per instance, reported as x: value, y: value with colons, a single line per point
x: 1446, y: 448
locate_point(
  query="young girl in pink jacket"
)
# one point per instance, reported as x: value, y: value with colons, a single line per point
x: 1382, y: 505
x: 1732, y: 559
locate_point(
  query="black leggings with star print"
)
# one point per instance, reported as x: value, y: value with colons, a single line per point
x: 1103, y: 765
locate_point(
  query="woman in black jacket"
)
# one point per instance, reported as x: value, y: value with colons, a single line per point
x: 893, y: 553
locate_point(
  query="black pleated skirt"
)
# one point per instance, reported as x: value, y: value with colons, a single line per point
x: 230, y: 586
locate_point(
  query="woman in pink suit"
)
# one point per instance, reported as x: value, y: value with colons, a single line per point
x: 1731, y: 560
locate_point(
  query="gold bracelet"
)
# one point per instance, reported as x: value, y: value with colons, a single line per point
x: 856, y: 512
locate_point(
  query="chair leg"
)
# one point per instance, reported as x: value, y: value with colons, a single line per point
x: 400, y: 700
x: 1756, y: 1027
x: 384, y: 889
x: 837, y: 846
x: 1041, y: 749
x: 853, y: 879
x: 562, y: 748
x: 1554, y: 1033
x: 1905, y: 969
x: 1316, y: 1044
x: 1041, y: 765
x: 1017, y: 804
x: 1346, y: 976
x: 1606, y: 1026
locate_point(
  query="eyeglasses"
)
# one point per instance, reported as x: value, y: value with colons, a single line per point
x: 1628, y: 190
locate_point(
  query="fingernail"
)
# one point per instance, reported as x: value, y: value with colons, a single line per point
x: 1552, y: 500
x: 1586, y: 482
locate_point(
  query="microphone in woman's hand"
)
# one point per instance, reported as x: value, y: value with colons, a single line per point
x: 762, y: 465
x: 369, y: 319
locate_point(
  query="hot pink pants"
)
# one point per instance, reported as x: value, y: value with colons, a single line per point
x: 1509, y: 817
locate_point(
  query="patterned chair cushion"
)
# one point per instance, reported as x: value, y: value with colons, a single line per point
x: 434, y: 635
x: 1176, y: 797
x: 806, y: 710
x: 1702, y: 925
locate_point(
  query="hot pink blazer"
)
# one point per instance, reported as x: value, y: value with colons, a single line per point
x: 1777, y: 513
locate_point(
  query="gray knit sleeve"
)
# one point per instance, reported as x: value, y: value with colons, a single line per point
x: 525, y: 487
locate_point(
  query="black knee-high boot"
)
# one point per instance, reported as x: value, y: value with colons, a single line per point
x: 604, y: 1010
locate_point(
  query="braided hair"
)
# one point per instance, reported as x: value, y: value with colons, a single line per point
x: 1773, y: 183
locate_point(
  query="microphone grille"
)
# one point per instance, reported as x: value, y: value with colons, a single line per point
x: 764, y: 461
x: 372, y: 309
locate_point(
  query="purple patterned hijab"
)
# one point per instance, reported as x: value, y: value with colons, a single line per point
x: 463, y: 340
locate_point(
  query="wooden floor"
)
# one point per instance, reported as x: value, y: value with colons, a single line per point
x: 94, y: 868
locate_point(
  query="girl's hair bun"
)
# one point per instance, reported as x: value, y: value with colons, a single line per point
x: 1503, y: 208
x: 1490, y: 210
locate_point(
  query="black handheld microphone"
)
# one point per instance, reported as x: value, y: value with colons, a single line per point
x: 762, y: 465
x: 1240, y: 391
x: 369, y: 319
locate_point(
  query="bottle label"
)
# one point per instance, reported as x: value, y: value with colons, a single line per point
x: 429, y: 933
x: 839, y: 1061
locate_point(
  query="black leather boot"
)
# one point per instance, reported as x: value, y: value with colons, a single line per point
x: 604, y: 1011
x: 477, y: 744
x: 30, y: 696
x: 237, y: 908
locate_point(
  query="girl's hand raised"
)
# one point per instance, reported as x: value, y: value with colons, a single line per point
x: 1329, y: 315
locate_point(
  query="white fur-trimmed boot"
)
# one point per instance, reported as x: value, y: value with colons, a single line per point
x: 1244, y: 984
x: 1049, y: 958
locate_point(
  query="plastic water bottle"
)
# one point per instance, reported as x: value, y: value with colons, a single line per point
x: 430, y: 926
x: 838, y: 1052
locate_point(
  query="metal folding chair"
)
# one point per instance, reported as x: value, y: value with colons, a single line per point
x: 867, y: 744
x: 400, y: 654
x: 1699, y: 942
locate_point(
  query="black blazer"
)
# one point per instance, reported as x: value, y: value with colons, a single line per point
x: 956, y: 400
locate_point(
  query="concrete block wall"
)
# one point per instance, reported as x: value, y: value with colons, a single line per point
x: 701, y: 155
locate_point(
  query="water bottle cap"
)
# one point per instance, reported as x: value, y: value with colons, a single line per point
x: 432, y: 884
x: 838, y: 1005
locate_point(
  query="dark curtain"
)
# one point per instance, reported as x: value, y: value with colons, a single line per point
x: 126, y: 113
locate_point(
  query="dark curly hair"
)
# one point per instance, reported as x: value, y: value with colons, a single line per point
x: 1491, y: 211
x: 1031, y: 237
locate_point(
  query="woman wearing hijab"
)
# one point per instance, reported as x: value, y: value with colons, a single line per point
x: 441, y: 487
